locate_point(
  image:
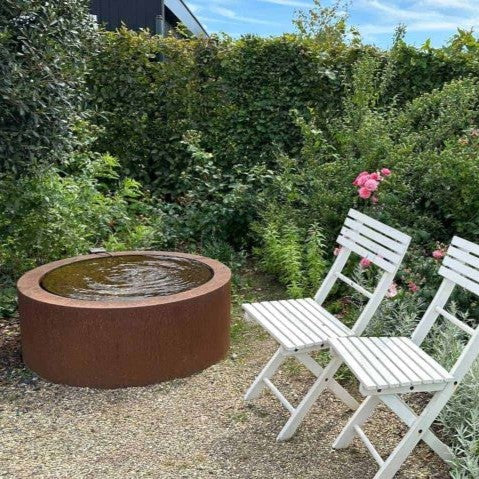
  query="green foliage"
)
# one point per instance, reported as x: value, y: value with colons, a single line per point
x: 211, y: 202
x: 315, y: 262
x: 294, y: 255
x: 460, y: 417
x: 49, y: 215
x: 229, y: 133
x: 456, y: 172
x: 43, y: 61
x: 420, y: 70
x: 327, y: 25
x: 238, y: 93
x: 397, y: 316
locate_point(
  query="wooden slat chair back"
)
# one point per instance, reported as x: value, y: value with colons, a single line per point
x: 379, y: 243
x: 302, y: 326
x: 388, y: 367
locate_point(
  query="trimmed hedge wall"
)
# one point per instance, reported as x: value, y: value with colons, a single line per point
x: 43, y: 61
x: 238, y: 93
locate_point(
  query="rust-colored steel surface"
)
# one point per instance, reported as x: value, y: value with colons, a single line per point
x: 112, y: 344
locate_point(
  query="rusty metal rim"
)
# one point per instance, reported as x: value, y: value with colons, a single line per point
x: 29, y: 284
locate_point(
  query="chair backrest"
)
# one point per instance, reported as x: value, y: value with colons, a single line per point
x: 460, y: 267
x: 382, y: 245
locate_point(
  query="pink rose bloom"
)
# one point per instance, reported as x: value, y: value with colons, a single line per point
x: 438, y: 254
x: 361, y: 178
x: 375, y: 200
x: 364, y: 193
x: 375, y: 176
x: 392, y: 290
x: 371, y: 185
x: 413, y: 287
x: 365, y: 263
x: 385, y: 171
x: 337, y: 250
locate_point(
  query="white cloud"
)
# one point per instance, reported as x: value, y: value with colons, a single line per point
x: 291, y: 3
x: 397, y: 13
x: 195, y: 8
x: 423, y: 26
x: 231, y: 14
x: 459, y: 4
x: 209, y: 19
x: 421, y: 16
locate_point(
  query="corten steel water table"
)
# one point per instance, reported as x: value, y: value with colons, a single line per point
x: 120, y: 343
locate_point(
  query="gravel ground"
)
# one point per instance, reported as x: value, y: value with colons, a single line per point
x: 197, y: 427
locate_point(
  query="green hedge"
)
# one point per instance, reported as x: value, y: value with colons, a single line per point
x: 239, y: 93
x: 43, y: 62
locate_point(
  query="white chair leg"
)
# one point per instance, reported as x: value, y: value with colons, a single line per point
x: 358, y: 419
x: 333, y: 385
x: 407, y: 415
x: 415, y: 434
x: 305, y: 405
x: 268, y: 371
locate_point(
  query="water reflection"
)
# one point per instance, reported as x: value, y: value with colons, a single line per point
x: 123, y: 278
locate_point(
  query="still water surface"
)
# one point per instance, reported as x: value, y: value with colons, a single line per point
x: 126, y: 278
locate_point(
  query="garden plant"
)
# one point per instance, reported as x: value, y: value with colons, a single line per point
x: 244, y: 149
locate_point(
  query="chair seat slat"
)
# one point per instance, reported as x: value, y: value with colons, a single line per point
x: 297, y: 324
x: 381, y: 356
x: 427, y: 364
x: 385, y: 364
x: 284, y: 323
x: 333, y: 322
x: 396, y: 357
x: 321, y: 331
x: 360, y: 371
x: 336, y: 327
x: 410, y: 360
x: 272, y: 328
x: 378, y: 362
x: 278, y: 309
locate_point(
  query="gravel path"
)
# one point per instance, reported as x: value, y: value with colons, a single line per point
x: 192, y: 428
x: 197, y: 427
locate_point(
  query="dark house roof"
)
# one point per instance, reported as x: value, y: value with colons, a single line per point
x: 159, y: 16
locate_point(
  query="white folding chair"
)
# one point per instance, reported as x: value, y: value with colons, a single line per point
x: 389, y: 367
x: 302, y: 326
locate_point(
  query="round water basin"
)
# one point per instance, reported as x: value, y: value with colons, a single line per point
x: 124, y: 319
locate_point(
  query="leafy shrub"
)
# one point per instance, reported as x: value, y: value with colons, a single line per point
x: 294, y: 255
x: 460, y: 417
x: 212, y: 203
x: 456, y: 170
x: 49, y: 215
x: 397, y: 316
x: 43, y: 51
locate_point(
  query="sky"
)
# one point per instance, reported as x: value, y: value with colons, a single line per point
x: 375, y: 19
